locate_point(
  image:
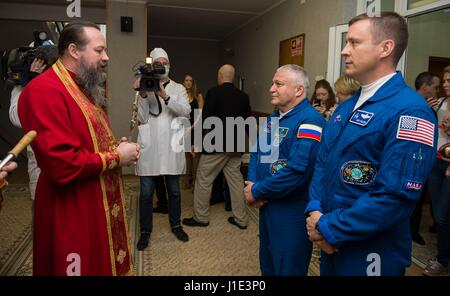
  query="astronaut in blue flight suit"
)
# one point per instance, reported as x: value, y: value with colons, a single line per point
x: 279, y: 184
x: 376, y: 153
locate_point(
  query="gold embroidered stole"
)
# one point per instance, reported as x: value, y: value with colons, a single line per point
x: 111, y: 180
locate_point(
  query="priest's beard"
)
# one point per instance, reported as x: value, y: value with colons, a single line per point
x: 92, y: 79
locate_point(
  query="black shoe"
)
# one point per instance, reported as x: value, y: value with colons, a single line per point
x: 143, y: 241
x: 433, y: 228
x: 161, y: 210
x: 180, y: 234
x: 232, y: 221
x: 417, y: 238
x: 228, y: 207
x: 192, y: 222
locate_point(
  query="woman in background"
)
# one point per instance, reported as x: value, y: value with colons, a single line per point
x: 324, y: 99
x: 196, y: 102
x: 345, y: 88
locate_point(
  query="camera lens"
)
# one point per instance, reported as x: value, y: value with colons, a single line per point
x: 150, y: 84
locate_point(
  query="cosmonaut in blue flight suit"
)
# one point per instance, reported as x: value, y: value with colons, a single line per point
x: 283, y: 182
x: 369, y: 173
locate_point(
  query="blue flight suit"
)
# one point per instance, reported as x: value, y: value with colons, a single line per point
x: 283, y: 181
x: 370, y: 170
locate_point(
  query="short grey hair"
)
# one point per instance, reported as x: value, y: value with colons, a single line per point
x: 300, y: 76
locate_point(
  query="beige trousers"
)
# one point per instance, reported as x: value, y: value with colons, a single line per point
x: 209, y: 167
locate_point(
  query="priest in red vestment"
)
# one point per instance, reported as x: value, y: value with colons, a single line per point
x: 80, y: 225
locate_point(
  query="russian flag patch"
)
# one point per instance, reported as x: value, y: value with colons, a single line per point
x: 309, y: 131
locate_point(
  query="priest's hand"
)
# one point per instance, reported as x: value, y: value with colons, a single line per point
x: 129, y: 153
x: 123, y: 139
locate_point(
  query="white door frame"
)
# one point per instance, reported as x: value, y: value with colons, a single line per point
x: 335, y: 33
x: 334, y: 52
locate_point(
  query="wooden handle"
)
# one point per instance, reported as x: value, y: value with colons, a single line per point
x: 27, y: 139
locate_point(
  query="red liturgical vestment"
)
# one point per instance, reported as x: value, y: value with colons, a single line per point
x: 80, y: 225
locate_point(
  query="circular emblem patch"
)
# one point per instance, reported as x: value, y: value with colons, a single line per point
x: 278, y: 165
x: 358, y: 172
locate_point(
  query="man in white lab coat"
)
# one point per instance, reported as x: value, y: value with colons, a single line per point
x: 160, y: 114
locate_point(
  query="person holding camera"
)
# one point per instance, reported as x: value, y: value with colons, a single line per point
x: 37, y: 67
x: 39, y: 56
x: 80, y: 227
x: 159, y: 114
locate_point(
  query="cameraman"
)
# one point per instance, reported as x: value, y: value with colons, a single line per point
x: 36, y: 68
x: 156, y: 113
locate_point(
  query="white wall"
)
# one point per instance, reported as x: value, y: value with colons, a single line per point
x: 198, y: 57
x: 256, y: 46
x: 124, y: 50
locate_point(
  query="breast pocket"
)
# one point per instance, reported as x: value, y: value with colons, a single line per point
x: 405, y: 174
x: 412, y: 176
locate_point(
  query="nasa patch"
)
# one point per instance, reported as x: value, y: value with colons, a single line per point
x: 361, y: 117
x: 412, y: 185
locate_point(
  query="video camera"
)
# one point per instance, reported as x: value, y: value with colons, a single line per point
x: 15, y: 64
x: 150, y: 75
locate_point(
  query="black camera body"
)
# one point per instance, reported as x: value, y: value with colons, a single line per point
x: 150, y: 76
x: 17, y: 62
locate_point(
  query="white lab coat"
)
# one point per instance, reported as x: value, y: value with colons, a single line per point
x: 33, y: 169
x: 157, y: 135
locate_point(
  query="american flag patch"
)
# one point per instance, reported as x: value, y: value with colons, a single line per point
x: 309, y: 131
x: 416, y: 129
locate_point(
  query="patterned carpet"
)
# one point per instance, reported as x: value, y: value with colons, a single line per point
x: 15, y: 231
x: 219, y: 249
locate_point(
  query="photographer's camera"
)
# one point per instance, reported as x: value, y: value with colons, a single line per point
x: 16, y: 63
x: 150, y: 74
